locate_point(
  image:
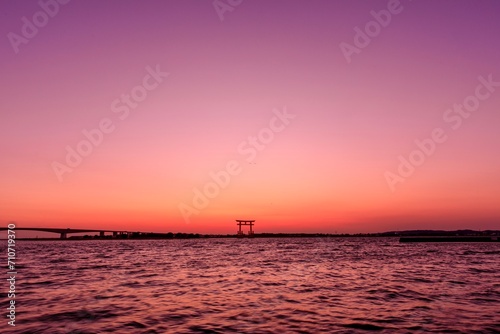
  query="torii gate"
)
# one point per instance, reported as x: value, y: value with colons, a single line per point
x: 245, y: 222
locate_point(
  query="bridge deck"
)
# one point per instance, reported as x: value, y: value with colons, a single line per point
x: 65, y: 231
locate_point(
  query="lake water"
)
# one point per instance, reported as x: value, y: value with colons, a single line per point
x: 301, y: 285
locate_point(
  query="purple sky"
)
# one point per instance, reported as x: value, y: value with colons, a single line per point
x: 334, y: 167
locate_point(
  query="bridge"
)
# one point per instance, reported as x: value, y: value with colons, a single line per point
x: 65, y: 231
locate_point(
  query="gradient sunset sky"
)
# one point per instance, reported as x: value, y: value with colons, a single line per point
x: 324, y: 171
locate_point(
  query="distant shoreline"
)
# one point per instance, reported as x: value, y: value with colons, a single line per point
x: 405, y: 236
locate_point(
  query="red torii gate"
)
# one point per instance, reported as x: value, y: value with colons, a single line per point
x: 245, y: 222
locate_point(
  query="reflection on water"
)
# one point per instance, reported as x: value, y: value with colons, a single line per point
x: 308, y: 285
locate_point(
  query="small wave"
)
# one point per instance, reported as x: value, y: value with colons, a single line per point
x: 366, y: 327
x: 203, y: 329
x: 79, y: 315
x: 492, y: 252
x: 131, y: 284
x: 61, y: 260
x: 469, y: 252
x: 134, y: 324
x: 43, y: 283
x: 478, y: 270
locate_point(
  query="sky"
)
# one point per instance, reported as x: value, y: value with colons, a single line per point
x: 307, y: 116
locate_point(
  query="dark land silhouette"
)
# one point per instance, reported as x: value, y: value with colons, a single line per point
x: 405, y: 236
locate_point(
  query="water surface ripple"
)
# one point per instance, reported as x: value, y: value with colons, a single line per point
x: 275, y: 285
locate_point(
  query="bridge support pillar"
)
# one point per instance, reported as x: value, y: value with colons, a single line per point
x: 64, y: 235
x: 101, y: 234
x: 115, y: 234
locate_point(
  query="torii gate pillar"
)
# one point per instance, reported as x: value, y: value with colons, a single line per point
x: 245, y: 222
